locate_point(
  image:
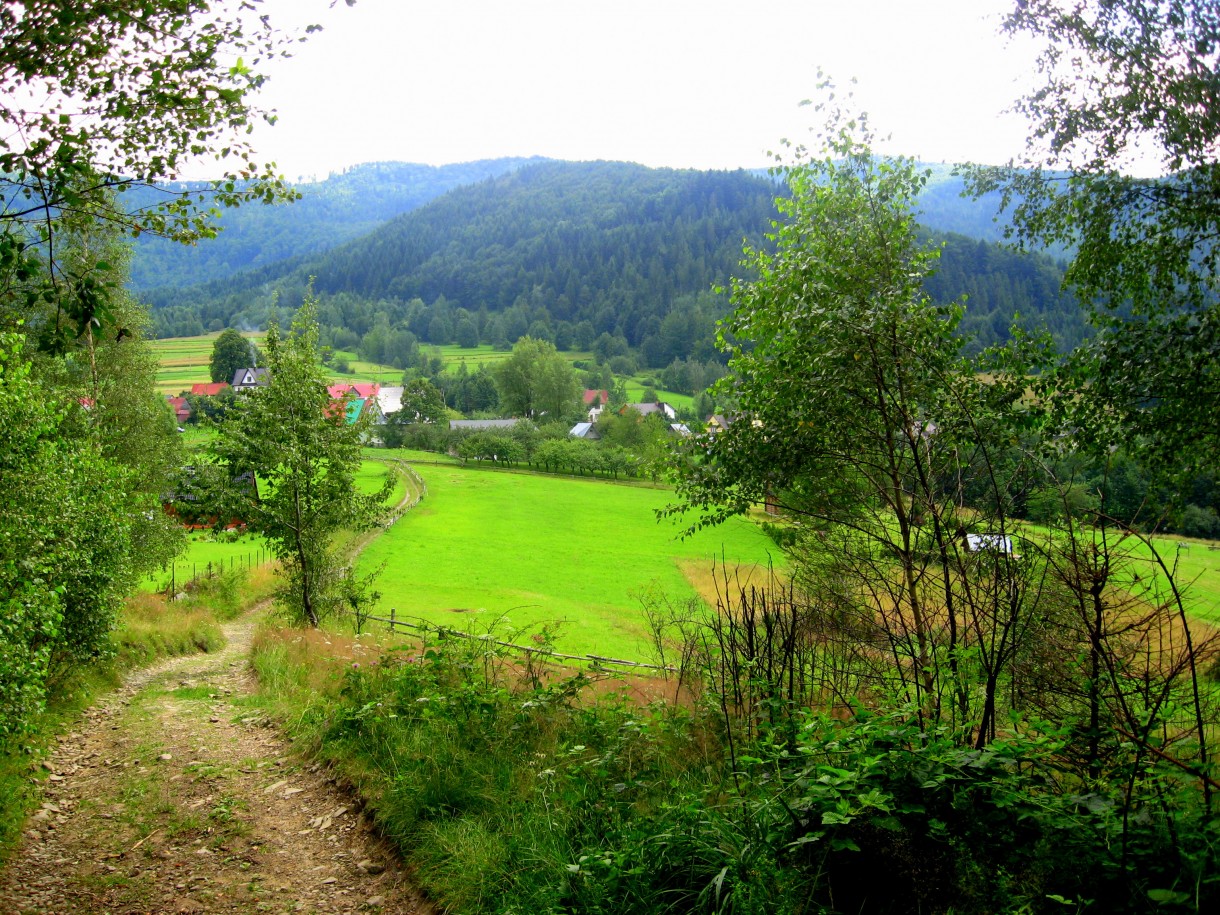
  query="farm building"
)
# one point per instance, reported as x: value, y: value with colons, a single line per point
x: 584, y: 430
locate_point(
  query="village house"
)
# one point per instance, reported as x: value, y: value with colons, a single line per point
x: 389, y: 399
x: 201, y: 389
x: 249, y: 379
x: 181, y: 407
x: 595, y: 402
x: 647, y: 409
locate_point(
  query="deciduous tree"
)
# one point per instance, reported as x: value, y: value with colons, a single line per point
x: 230, y: 353
x: 1130, y: 86
x: 855, y: 408
x: 102, y: 96
x: 536, y: 381
x: 305, y: 454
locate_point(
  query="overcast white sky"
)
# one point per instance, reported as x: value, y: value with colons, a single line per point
x: 709, y: 84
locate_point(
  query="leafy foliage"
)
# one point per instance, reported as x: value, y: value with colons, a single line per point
x: 230, y: 353
x: 65, y: 539
x: 125, y: 94
x: 535, y: 381
x: 1145, y: 248
x: 305, y: 454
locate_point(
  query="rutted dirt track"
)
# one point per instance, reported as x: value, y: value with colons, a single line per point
x: 173, y: 799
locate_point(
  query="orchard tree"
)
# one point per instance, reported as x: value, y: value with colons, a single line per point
x: 230, y: 353
x: 305, y: 455
x: 1130, y: 86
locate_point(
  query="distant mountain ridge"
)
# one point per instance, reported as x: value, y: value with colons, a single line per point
x: 332, y: 211
x: 357, y: 201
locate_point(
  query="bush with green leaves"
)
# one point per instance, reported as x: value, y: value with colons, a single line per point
x: 65, y: 550
x: 512, y: 793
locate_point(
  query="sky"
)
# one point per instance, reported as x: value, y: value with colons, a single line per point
x: 710, y: 85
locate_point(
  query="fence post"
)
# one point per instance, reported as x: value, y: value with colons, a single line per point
x: 391, y: 619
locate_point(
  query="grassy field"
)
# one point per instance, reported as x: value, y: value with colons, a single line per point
x: 530, y: 550
x: 1196, y: 567
x: 206, y: 553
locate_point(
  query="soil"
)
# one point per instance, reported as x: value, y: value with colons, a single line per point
x: 175, y: 797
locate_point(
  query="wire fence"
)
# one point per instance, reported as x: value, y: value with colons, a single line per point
x: 180, y: 575
x: 423, y: 626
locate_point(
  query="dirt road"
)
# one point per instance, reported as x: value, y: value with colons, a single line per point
x: 175, y: 798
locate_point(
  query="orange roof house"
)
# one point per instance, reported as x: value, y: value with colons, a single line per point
x: 209, y: 390
x: 362, y: 391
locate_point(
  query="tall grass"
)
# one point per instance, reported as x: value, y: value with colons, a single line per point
x: 511, y: 790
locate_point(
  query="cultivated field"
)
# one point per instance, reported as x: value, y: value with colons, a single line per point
x: 184, y: 362
x: 523, y: 550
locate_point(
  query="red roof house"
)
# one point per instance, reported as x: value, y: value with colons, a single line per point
x: 362, y: 391
x: 209, y: 390
x: 182, y: 409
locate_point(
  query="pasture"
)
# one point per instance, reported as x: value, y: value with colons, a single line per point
x: 520, y: 551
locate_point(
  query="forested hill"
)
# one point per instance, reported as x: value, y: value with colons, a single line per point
x: 572, y: 251
x: 611, y: 244
x: 329, y: 212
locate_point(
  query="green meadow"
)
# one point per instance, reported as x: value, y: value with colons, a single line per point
x: 520, y: 551
x: 1196, y: 568
x: 207, y: 552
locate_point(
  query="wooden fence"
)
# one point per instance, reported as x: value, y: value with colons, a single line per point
x: 421, y: 490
